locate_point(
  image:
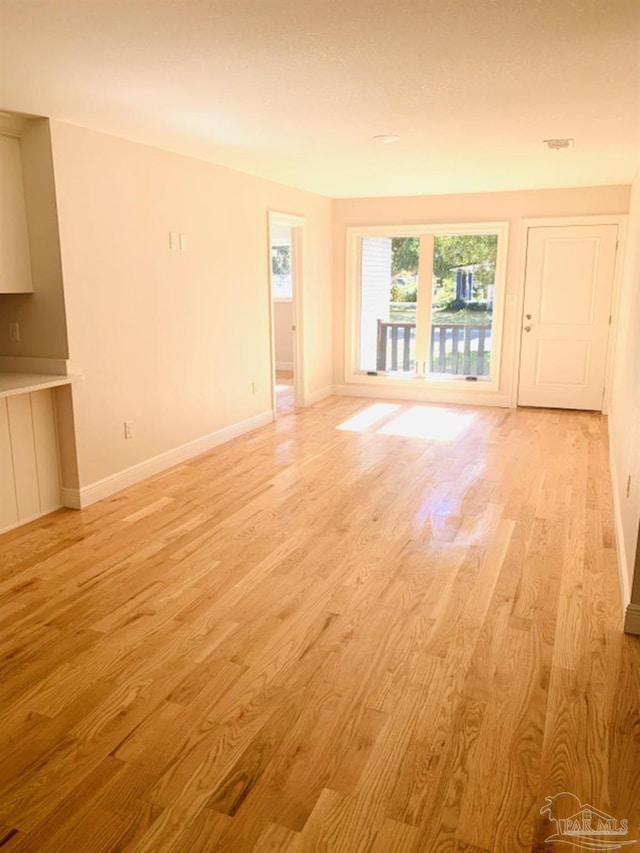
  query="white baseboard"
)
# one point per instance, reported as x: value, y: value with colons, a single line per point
x: 321, y: 394
x: 87, y: 495
x: 71, y: 498
x: 284, y: 365
x: 632, y: 619
x: 623, y: 566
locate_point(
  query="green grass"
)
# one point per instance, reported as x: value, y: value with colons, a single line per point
x: 405, y: 312
x: 473, y: 318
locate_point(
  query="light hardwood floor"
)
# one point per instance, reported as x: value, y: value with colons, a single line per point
x: 325, y: 639
x: 285, y: 399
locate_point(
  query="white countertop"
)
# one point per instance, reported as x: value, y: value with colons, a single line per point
x: 24, y: 383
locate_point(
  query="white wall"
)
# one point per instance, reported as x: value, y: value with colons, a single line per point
x: 624, y: 420
x: 173, y: 341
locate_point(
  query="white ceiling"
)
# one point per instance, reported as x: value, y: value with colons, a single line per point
x: 294, y: 90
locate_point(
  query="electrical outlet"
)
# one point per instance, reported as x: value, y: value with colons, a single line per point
x: 14, y: 332
x: 128, y: 429
x: 182, y: 240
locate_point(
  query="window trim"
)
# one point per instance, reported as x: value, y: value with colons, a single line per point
x: 352, y: 372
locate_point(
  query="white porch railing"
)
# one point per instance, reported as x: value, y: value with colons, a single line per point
x: 456, y: 348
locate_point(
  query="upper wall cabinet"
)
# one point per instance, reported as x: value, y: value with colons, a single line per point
x: 15, y: 263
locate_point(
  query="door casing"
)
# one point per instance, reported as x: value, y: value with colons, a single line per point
x: 296, y: 223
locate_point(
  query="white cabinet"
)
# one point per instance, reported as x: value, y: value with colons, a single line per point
x: 29, y: 469
x: 15, y: 263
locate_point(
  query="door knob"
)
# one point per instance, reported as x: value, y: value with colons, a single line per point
x: 528, y: 316
x: 527, y: 328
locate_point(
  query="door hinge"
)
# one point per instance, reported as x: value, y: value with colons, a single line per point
x: 610, y: 317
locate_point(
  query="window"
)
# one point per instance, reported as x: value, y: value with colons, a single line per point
x: 426, y: 302
x: 281, y: 286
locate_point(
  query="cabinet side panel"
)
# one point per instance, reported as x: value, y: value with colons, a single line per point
x: 24, y: 457
x: 46, y: 449
x: 8, y: 502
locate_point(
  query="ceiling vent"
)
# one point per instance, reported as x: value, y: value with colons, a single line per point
x: 558, y: 144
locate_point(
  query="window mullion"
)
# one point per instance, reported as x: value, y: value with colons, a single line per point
x: 423, y: 306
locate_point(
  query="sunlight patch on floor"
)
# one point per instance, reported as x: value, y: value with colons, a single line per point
x: 426, y: 422
x: 429, y: 423
x: 368, y: 417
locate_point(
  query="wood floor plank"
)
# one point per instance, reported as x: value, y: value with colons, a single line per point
x: 72, y: 811
x: 278, y: 839
x: 399, y: 837
x: 325, y: 637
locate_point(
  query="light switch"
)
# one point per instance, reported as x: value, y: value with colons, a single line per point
x: 183, y: 242
x: 174, y: 241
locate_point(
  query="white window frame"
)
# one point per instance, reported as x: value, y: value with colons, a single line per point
x: 353, y: 374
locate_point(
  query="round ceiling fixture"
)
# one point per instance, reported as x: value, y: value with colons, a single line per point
x: 386, y: 138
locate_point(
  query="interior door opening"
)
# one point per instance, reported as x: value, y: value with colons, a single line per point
x: 285, y: 243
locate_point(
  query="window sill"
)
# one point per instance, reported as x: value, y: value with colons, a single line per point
x: 430, y: 381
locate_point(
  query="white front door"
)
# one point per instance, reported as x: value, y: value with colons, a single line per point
x: 567, y: 306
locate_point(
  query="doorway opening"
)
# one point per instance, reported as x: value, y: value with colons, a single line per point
x: 285, y: 245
